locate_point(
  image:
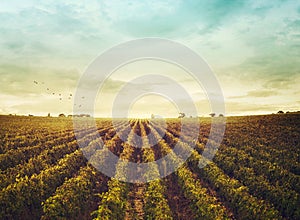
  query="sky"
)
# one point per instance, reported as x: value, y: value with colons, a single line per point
x: 253, y: 48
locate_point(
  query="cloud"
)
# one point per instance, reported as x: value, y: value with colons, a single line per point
x: 56, y: 34
x: 256, y: 94
x: 19, y: 80
x: 233, y: 108
x: 280, y: 82
x: 262, y: 93
x: 253, y: 46
x: 168, y: 18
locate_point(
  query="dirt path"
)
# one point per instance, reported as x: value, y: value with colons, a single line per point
x: 135, y: 204
x: 178, y: 203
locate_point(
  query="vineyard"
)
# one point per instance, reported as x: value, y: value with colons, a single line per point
x: 254, y: 175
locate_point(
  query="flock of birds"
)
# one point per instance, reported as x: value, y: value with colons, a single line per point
x: 70, y: 96
x: 60, y: 96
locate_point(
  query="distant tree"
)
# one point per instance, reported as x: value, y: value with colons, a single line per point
x: 181, y: 115
x: 61, y: 115
x: 280, y: 112
x: 49, y: 115
x: 221, y: 115
x: 212, y: 114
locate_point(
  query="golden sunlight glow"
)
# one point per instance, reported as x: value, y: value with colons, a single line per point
x: 157, y: 105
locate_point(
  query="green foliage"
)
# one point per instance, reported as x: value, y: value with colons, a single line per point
x: 32, y: 191
x: 254, y: 175
x: 112, y: 205
x: 73, y: 198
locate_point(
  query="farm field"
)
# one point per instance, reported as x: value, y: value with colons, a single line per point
x: 254, y: 175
